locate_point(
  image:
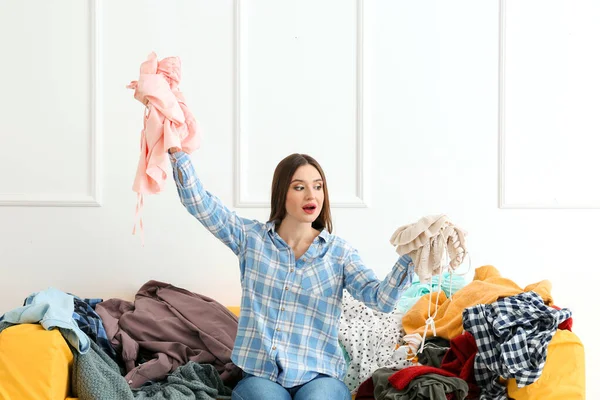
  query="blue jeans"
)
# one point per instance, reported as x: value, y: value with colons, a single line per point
x: 323, y: 387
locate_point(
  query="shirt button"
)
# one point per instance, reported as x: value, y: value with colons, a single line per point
x: 278, y: 330
x: 282, y: 309
x: 274, y: 348
x: 304, y: 259
x: 287, y: 288
x: 291, y: 269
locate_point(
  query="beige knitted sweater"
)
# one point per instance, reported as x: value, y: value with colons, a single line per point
x: 428, y: 241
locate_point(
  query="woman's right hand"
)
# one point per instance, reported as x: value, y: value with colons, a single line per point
x: 173, y: 150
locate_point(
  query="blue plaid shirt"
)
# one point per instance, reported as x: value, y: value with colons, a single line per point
x: 290, y: 310
x: 84, y: 313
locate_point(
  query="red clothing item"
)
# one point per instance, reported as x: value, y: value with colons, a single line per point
x: 366, y: 390
x: 459, y: 361
x: 566, y: 324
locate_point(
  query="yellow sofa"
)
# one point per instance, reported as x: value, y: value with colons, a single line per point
x: 35, y: 364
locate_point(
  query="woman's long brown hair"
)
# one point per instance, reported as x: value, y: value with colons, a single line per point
x: 282, y: 177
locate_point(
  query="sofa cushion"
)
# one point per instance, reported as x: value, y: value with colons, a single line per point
x: 34, y: 363
x: 235, y: 310
x: 563, y: 376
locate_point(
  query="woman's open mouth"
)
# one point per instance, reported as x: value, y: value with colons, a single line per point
x: 310, y: 208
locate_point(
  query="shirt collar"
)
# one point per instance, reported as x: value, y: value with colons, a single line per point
x: 323, y: 234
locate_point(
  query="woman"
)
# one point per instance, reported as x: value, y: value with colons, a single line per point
x: 293, y: 271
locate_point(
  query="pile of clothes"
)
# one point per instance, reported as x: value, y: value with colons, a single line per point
x: 492, y: 339
x: 168, y: 344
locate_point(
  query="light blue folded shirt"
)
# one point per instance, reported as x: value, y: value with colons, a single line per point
x: 51, y: 308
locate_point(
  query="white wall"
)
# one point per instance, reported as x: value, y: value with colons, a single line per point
x: 411, y: 130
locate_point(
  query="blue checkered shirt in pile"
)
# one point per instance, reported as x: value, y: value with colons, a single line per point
x: 290, y: 309
x: 84, y: 313
x: 512, y: 337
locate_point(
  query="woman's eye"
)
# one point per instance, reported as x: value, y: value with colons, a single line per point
x: 298, y: 188
x: 318, y: 187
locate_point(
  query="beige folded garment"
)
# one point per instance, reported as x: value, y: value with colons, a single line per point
x: 426, y: 241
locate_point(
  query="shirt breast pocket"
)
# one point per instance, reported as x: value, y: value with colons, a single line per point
x: 321, y: 279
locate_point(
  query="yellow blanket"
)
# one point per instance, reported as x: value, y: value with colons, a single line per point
x: 487, y: 287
